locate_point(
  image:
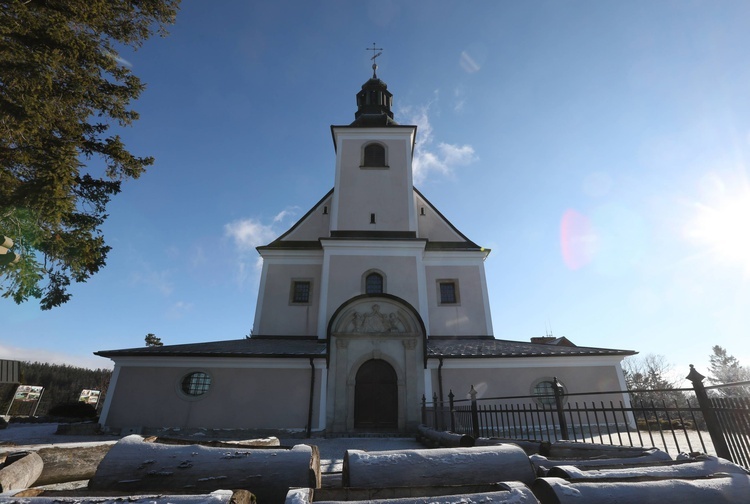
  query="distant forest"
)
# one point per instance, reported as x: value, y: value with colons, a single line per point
x: 62, y: 384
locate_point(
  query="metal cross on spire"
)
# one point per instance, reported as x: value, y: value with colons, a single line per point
x: 374, y: 56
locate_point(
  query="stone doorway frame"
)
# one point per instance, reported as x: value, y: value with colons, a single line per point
x: 374, y: 326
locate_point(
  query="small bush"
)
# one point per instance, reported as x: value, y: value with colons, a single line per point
x: 73, y: 410
x: 656, y: 424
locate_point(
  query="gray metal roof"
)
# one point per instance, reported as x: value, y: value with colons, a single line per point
x: 287, y: 346
x: 463, y: 347
x: 297, y: 347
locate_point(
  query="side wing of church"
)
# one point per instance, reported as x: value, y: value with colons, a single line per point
x: 371, y: 301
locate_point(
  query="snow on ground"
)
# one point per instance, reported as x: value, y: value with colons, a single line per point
x: 18, y: 435
x: 332, y: 450
x: 32, y: 434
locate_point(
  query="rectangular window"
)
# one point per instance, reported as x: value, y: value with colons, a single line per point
x: 300, y: 292
x: 448, y: 290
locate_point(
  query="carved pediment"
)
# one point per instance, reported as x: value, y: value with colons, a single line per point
x: 374, y: 317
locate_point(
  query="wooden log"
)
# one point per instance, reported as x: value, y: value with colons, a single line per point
x: 133, y: 464
x: 530, y: 447
x: 444, y: 438
x: 696, y: 468
x: 719, y: 489
x: 216, y: 497
x: 343, y: 494
x: 506, y: 493
x: 299, y: 496
x: 254, y: 443
x: 78, y: 462
x: 579, y: 450
x: 543, y: 464
x: 20, y: 472
x: 440, y: 466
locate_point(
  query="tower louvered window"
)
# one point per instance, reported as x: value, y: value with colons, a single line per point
x: 374, y: 155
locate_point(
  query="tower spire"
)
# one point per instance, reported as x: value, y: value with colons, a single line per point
x: 374, y: 58
x: 374, y: 101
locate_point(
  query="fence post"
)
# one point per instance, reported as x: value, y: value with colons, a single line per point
x: 474, y: 412
x: 453, y: 418
x: 435, y: 426
x: 558, y: 390
x: 441, y: 417
x: 712, y: 422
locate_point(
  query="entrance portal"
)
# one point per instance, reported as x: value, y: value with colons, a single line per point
x: 376, y: 396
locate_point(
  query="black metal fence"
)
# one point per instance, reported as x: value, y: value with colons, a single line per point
x: 713, y: 420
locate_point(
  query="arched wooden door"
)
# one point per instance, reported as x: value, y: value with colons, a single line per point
x: 376, y: 396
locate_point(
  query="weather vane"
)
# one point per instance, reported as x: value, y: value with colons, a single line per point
x: 374, y: 56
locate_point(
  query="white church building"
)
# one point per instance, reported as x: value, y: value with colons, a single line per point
x: 369, y: 302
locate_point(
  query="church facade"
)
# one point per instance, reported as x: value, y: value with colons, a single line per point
x: 372, y: 300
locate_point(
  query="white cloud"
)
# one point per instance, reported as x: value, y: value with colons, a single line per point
x: 179, y: 309
x: 249, y: 233
x: 429, y: 159
x: 287, y: 212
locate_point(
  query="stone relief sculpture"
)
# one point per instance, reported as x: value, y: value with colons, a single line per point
x: 374, y: 321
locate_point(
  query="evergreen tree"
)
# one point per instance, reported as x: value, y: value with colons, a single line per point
x: 62, y: 384
x: 725, y: 368
x: 152, y: 340
x: 62, y: 85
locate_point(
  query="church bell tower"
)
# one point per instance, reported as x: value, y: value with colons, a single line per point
x: 374, y: 188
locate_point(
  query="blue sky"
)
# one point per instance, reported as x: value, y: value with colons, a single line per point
x: 599, y: 148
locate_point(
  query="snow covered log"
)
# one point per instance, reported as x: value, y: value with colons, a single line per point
x: 217, y: 497
x: 247, y: 443
x: 20, y: 471
x: 444, y: 438
x: 512, y: 492
x: 543, y: 464
x: 530, y: 447
x: 136, y: 465
x: 440, y: 466
x: 719, y: 489
x: 578, y: 449
x: 702, y: 466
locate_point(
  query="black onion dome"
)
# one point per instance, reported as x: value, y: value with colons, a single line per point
x: 374, y: 103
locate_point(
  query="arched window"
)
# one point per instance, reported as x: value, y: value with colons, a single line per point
x: 374, y: 156
x: 374, y: 283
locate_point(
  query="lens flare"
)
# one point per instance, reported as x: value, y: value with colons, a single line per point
x: 720, y: 225
x: 578, y: 240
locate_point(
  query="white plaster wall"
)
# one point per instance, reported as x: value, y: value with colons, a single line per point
x: 280, y: 317
x: 431, y: 225
x: 346, y: 277
x: 239, y: 398
x: 314, y: 226
x: 469, y: 316
x: 518, y: 380
x: 386, y: 192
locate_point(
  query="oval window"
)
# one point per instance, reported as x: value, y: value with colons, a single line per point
x: 196, y: 384
x: 544, y: 392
